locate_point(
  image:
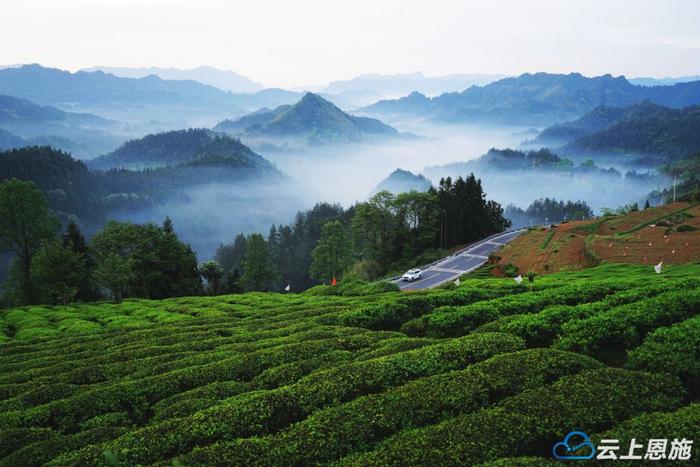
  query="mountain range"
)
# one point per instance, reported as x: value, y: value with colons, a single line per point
x: 148, y: 103
x: 312, y: 119
x: 648, y: 81
x: 26, y: 123
x: 405, y: 83
x: 535, y: 99
x: 647, y: 131
x: 223, y: 79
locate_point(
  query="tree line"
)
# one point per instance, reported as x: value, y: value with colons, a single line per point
x: 548, y: 210
x: 368, y: 240
x: 122, y: 260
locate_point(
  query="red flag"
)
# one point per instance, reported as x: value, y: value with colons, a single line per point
x: 334, y: 282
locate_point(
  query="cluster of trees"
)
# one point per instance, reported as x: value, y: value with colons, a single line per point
x: 123, y: 259
x: 149, y: 261
x: 548, y: 210
x: 383, y: 234
x: 289, y: 248
x: 392, y: 229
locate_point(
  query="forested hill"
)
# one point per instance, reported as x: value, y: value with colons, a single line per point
x: 312, y: 117
x: 178, y: 147
x: 403, y: 181
x: 537, y: 99
x: 661, y: 133
x: 84, y: 134
x: 16, y: 110
x: 90, y: 195
x: 499, y: 161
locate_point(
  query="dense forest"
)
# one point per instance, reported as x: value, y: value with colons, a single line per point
x: 122, y: 260
x: 500, y: 161
x: 384, y: 235
x: 366, y: 241
x: 88, y: 196
x: 652, y: 133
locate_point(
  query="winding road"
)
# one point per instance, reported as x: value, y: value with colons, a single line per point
x: 450, y: 268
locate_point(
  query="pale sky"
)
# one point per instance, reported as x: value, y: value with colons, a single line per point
x: 303, y: 42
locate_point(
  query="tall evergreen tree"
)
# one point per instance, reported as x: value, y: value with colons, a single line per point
x: 26, y: 224
x: 333, y: 252
x: 59, y: 273
x: 74, y: 240
x: 258, y: 270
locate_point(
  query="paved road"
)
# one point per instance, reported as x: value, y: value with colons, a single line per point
x: 452, y: 267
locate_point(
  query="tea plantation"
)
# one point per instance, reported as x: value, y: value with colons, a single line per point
x: 488, y: 373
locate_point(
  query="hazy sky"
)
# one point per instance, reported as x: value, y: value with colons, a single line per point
x: 305, y: 42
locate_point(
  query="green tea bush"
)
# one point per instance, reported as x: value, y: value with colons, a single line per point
x: 303, y: 379
x: 454, y: 321
x: 683, y: 423
x: 136, y: 396
x: 520, y: 425
x: 607, y: 335
x: 263, y: 412
x: 521, y: 462
x: 674, y: 350
x: 40, y: 452
x: 353, y: 287
x: 540, y: 329
x: 358, y: 425
x: 393, y: 312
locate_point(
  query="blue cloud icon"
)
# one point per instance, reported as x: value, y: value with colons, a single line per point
x: 564, y: 451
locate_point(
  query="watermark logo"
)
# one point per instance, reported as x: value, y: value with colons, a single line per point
x: 575, y: 446
x: 578, y: 446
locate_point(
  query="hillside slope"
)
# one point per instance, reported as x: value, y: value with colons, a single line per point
x: 83, y: 134
x: 669, y: 233
x: 371, y: 379
x: 661, y: 134
x: 176, y: 147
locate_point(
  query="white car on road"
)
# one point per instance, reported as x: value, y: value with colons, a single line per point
x: 412, y: 275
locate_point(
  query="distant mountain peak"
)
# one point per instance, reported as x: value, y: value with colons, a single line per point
x: 403, y: 181
x: 312, y: 117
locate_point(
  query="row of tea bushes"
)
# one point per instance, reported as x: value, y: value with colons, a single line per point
x: 592, y: 400
x: 358, y: 425
x: 608, y: 334
x: 264, y: 412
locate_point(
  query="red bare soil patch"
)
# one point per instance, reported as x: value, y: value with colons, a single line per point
x: 674, y: 239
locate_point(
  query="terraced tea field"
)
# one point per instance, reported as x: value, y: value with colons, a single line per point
x: 669, y: 233
x: 489, y: 373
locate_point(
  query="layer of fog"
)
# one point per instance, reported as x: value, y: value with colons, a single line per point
x: 349, y: 173
x: 206, y: 216
x: 209, y: 215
